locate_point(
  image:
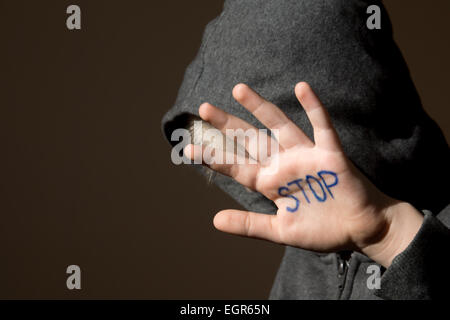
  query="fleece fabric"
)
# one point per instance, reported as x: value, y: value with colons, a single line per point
x: 363, y: 80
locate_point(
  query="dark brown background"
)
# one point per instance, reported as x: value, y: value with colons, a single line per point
x: 86, y: 176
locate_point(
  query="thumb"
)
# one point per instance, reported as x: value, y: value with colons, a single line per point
x: 248, y: 224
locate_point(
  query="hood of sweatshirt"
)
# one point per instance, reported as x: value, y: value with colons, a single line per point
x: 358, y: 73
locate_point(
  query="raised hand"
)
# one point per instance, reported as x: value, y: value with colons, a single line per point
x: 324, y: 203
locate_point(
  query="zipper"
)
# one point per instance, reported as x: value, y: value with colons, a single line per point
x: 343, y: 262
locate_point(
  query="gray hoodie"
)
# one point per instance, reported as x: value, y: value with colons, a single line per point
x: 362, y: 79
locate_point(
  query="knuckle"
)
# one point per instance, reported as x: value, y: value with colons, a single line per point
x: 248, y: 225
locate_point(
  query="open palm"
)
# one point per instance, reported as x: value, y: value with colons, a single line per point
x: 324, y: 203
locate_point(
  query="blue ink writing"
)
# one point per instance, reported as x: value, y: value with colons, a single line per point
x: 321, y: 174
x: 297, y: 183
x: 320, y: 199
x: 297, y: 202
x: 323, y: 181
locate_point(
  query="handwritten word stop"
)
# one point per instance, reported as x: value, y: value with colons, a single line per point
x: 320, y: 187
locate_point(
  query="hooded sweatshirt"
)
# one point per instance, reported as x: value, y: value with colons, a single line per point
x: 362, y: 79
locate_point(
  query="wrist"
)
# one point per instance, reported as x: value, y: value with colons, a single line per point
x: 403, y: 222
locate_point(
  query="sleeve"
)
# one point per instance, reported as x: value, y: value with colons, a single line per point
x: 421, y: 271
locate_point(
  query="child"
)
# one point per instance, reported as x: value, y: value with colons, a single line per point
x: 363, y: 82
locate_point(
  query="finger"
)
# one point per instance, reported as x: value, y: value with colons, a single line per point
x: 221, y: 119
x: 324, y: 133
x: 289, y: 134
x: 229, y: 125
x: 240, y: 169
x: 248, y: 224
